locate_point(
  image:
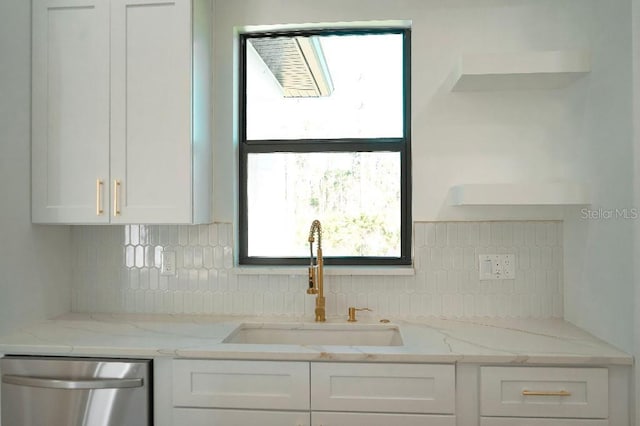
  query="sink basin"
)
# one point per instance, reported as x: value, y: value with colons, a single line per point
x: 316, y: 334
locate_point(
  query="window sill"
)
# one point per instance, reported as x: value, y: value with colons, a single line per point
x: 328, y: 270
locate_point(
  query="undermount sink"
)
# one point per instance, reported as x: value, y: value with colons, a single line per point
x: 316, y: 334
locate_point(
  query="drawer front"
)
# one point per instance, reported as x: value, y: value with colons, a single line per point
x: 390, y: 388
x: 364, y: 419
x: 212, y: 417
x: 241, y: 384
x: 512, y: 421
x: 544, y: 392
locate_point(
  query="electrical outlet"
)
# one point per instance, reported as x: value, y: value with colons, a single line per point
x: 496, y: 266
x: 168, y: 267
x: 508, y: 266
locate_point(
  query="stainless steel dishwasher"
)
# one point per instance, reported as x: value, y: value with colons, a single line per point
x: 39, y: 391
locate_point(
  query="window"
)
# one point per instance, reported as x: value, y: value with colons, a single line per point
x: 325, y: 134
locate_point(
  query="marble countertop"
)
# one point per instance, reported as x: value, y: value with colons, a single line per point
x: 487, y: 341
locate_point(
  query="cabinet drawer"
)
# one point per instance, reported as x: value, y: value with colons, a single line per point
x: 241, y: 384
x: 553, y: 392
x: 212, y: 417
x: 392, y: 388
x: 512, y: 421
x: 364, y: 419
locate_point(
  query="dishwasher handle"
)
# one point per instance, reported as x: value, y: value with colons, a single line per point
x: 49, y: 383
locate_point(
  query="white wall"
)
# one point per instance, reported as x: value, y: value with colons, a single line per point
x: 521, y: 136
x: 579, y: 133
x: 582, y: 132
x: 34, y: 260
x: 598, y: 253
x: 636, y: 194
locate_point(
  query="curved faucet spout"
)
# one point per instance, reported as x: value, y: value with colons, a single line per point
x: 316, y: 228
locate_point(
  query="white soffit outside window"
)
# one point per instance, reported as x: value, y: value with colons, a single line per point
x: 297, y: 63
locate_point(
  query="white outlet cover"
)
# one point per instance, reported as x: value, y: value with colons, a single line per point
x: 496, y: 266
x: 168, y: 267
x: 508, y: 266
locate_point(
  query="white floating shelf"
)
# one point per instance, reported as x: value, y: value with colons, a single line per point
x: 556, y: 194
x: 520, y: 71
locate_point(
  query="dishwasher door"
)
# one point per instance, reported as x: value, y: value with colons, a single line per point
x: 75, y: 392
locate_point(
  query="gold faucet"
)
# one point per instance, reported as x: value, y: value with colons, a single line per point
x: 316, y: 275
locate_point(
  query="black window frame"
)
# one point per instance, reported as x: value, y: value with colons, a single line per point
x: 401, y: 145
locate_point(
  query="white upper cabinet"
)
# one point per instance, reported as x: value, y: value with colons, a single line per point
x: 119, y: 135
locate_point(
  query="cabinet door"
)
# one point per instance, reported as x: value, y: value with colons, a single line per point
x: 205, y: 417
x: 266, y: 385
x: 70, y: 111
x: 369, y: 419
x: 522, y: 421
x: 544, y: 392
x: 391, y: 388
x: 151, y: 111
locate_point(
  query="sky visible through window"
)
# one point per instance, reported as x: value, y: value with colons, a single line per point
x: 355, y: 195
x: 367, y: 100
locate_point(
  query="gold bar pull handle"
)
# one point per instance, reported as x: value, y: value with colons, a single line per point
x: 116, y: 197
x: 546, y: 393
x: 99, y: 187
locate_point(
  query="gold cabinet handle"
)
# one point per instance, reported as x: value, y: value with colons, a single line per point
x: 116, y: 197
x: 99, y: 187
x: 545, y: 393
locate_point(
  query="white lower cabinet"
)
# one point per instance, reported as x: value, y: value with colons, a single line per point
x: 378, y: 419
x: 247, y: 393
x: 213, y: 417
x: 374, y: 394
x: 544, y: 396
x: 268, y: 385
x: 514, y: 421
x: 283, y: 393
x: 384, y: 388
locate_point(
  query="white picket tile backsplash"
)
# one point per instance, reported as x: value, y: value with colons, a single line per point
x: 116, y: 269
